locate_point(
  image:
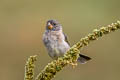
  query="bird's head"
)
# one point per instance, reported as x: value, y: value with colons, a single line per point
x: 53, y: 25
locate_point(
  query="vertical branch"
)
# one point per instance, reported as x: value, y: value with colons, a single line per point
x: 29, y: 68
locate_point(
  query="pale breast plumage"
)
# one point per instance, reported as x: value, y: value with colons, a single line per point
x: 56, y: 44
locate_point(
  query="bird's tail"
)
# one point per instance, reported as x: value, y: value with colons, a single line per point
x: 83, y: 58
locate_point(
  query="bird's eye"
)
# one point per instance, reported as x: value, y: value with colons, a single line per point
x: 54, y: 23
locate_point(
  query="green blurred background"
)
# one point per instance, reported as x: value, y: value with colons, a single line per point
x: 22, y: 23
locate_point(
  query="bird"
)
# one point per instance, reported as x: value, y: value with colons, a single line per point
x: 56, y: 41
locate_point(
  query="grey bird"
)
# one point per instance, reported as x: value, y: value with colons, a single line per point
x: 56, y: 41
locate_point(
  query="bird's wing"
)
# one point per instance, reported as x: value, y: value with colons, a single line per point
x: 66, y: 39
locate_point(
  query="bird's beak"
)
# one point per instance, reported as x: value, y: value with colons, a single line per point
x: 50, y: 26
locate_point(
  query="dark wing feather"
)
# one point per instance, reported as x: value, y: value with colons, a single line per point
x: 66, y: 39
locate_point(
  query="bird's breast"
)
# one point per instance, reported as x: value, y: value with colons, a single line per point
x: 56, y: 44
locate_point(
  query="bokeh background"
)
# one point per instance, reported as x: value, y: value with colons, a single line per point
x: 22, y: 23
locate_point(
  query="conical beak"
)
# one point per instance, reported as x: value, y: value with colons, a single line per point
x: 50, y: 26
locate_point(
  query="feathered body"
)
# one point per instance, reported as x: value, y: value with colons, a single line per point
x: 56, y: 41
x: 56, y: 44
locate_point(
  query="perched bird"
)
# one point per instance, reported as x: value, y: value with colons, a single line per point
x: 56, y: 41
